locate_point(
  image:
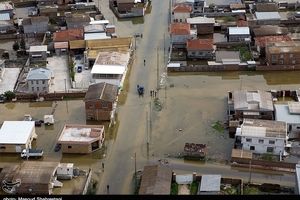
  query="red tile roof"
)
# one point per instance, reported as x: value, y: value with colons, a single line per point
x: 200, y: 44
x: 68, y: 35
x: 180, y: 29
x: 262, y: 41
x: 182, y: 8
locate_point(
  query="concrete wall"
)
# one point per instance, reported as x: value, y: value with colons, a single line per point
x: 238, y: 38
x: 76, y: 148
x: 282, y: 58
x: 11, y: 148
x: 261, y: 148
x: 98, y: 110
x: 200, y: 54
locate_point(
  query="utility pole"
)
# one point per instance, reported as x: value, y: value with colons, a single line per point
x: 157, y: 72
x: 147, y: 131
x: 135, y: 178
x: 65, y: 85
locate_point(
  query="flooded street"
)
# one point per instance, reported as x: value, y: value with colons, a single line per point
x: 190, y: 102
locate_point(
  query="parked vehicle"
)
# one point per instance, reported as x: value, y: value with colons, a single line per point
x: 2, y: 98
x: 27, y: 117
x: 140, y: 90
x: 79, y: 68
x: 38, y: 123
x: 32, y: 153
x: 86, y: 67
x: 48, y: 119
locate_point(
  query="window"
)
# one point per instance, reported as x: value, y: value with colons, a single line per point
x: 37, y: 82
x: 43, y: 81
x: 298, y: 127
x: 293, y: 61
x: 252, y: 148
x: 291, y: 55
x: 32, y: 89
x: 31, y: 82
x: 69, y: 147
x: 281, y: 55
x: 271, y: 142
x: 44, y: 88
x: 104, y: 104
x: 248, y: 140
x: 260, y: 141
x: 37, y: 89
x: 180, y: 20
x: 281, y: 62
x: 2, y: 147
x: 270, y: 149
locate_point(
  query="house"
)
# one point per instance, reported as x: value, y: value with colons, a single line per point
x: 204, y: 25
x: 267, y: 18
x: 110, y: 29
x: 35, y: 25
x: 99, y: 101
x: 109, y: 67
x: 200, y: 48
x: 29, y: 178
x: 262, y: 136
x: 250, y: 104
x: 38, y: 53
x: 297, y: 188
x: 7, y: 26
x: 228, y: 57
x: 68, y: 35
x: 210, y: 185
x: 283, y: 53
x: 269, y: 30
x: 125, y: 6
x: 16, y: 136
x: 262, y: 41
x: 180, y: 33
x: 181, y: 12
x: 81, y: 139
x: 266, y: 7
x: 290, y: 114
x: 239, y: 34
x: 39, y: 80
x: 61, y: 48
x: 237, y: 6
x: 77, y: 21
x: 6, y: 7
x: 49, y: 11
x: 156, y: 180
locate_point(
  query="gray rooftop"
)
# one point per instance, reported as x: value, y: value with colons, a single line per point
x: 39, y: 74
x: 38, y: 48
x: 267, y: 16
x: 283, y: 114
x: 222, y: 2
x: 253, y: 100
x: 221, y: 55
x: 298, y: 177
x: 210, y: 183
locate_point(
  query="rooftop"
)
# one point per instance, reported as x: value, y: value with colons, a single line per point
x: 180, y: 29
x: 16, y: 132
x: 103, y: 91
x: 200, y: 44
x: 237, y: 6
x: 263, y: 40
x: 4, y: 16
x: 39, y: 74
x: 267, y: 16
x: 38, y: 48
x: 270, y: 30
x: 156, y: 179
x: 80, y: 134
x: 222, y: 2
x: 35, y: 20
x: 263, y: 128
x: 112, y: 59
x: 6, y: 6
x: 182, y: 8
x: 266, y: 7
x: 200, y: 20
x: 239, y: 31
x: 294, y: 107
x: 96, y: 36
x: 112, y: 43
x: 253, y: 100
x: 225, y: 55
x: 283, y: 114
x: 94, y: 28
x: 283, y: 47
x: 78, y: 18
x: 210, y: 183
x: 32, y: 175
x: 68, y: 35
x: 241, y: 153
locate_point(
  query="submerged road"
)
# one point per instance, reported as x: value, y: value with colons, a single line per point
x: 131, y: 136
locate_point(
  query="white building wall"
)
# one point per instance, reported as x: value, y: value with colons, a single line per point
x: 180, y: 17
x: 261, y: 148
x: 37, y: 86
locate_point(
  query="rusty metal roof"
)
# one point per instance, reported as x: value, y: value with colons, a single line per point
x: 156, y: 179
x: 103, y: 91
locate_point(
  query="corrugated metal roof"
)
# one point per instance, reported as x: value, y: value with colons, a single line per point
x: 103, y: 91
x: 267, y: 16
x: 200, y: 20
x: 4, y: 16
x: 282, y: 114
x: 239, y: 31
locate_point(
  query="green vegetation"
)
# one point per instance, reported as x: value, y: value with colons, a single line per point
x: 22, y: 44
x: 92, y: 189
x: 71, y: 69
x: 9, y: 95
x: 244, y: 53
x: 250, y: 190
x: 218, y: 126
x: 267, y: 157
x: 174, y: 189
x: 194, y: 188
x: 230, y: 191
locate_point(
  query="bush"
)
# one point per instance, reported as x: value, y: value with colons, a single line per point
x: 9, y: 95
x: 16, y: 46
x: 174, y: 189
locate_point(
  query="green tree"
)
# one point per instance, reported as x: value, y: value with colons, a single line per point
x: 16, y: 46
x: 9, y: 95
x: 22, y: 44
